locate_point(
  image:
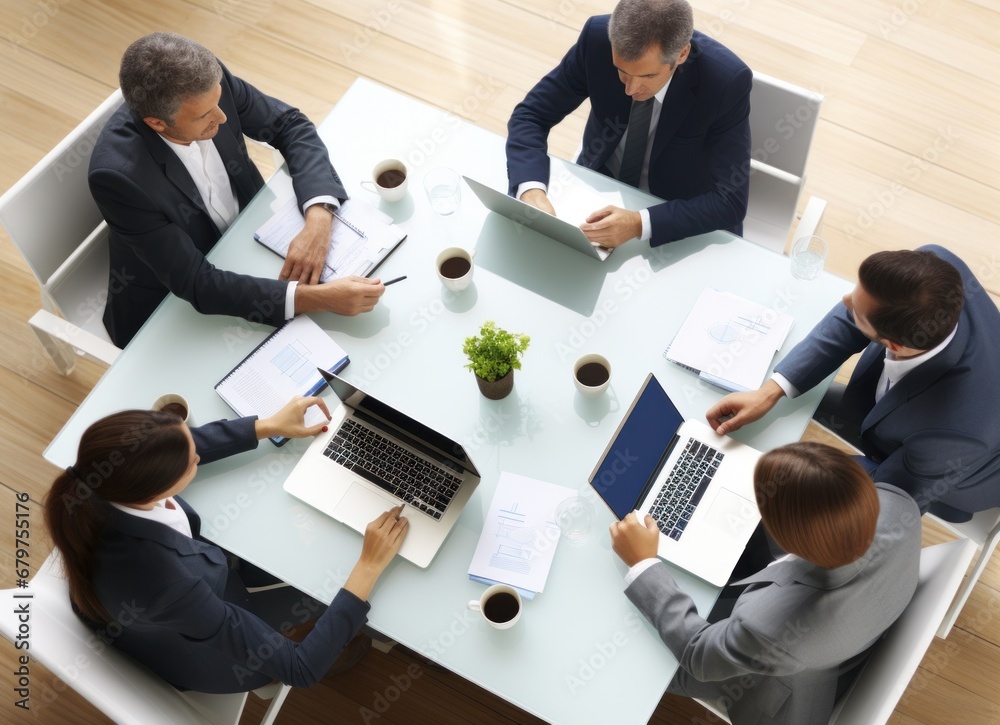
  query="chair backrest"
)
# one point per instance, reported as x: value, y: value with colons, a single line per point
x: 783, y: 120
x: 885, y: 676
x: 118, y: 686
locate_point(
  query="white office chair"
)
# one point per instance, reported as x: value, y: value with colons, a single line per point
x: 115, y: 684
x: 55, y: 224
x: 783, y: 119
x: 877, y: 689
x: 984, y: 531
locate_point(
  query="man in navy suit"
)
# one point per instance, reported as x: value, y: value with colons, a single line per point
x: 922, y: 402
x: 170, y: 172
x: 682, y: 97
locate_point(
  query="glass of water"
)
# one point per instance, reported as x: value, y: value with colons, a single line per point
x: 444, y: 190
x: 808, y: 256
x: 575, y: 516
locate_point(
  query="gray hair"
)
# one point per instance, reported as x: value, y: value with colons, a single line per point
x: 160, y: 70
x: 638, y: 24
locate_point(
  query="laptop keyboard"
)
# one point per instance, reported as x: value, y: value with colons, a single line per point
x: 421, y: 484
x: 675, y: 504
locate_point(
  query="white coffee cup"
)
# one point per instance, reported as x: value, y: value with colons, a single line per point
x: 172, y: 400
x: 499, y: 609
x: 592, y: 386
x: 454, y: 275
x: 389, y: 193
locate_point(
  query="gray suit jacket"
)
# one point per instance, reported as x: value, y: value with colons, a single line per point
x: 794, y: 630
x: 935, y: 434
x: 160, y: 229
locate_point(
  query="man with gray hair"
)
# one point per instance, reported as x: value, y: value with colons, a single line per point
x: 170, y: 172
x: 669, y: 114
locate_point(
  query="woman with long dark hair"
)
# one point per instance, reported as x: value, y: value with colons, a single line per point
x: 140, y: 574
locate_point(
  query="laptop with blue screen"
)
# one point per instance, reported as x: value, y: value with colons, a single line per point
x: 697, y: 485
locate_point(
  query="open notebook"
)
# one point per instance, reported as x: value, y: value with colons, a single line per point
x: 362, y: 237
x: 282, y: 366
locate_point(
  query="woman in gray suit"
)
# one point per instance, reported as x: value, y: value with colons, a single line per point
x: 803, y: 625
x: 143, y: 578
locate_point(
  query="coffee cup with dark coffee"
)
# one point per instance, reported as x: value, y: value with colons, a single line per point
x: 173, y: 403
x: 455, y: 268
x: 592, y: 374
x: 500, y: 606
x: 389, y: 179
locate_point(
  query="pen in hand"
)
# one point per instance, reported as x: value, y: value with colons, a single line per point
x: 394, y: 281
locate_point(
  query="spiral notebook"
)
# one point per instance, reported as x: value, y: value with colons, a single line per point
x: 361, y: 238
x: 282, y: 366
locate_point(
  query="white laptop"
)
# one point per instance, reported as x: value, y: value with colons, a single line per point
x: 375, y: 457
x: 640, y: 470
x: 545, y: 224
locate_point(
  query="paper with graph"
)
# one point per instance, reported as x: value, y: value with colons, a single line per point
x: 520, y: 533
x: 730, y: 341
x: 282, y: 366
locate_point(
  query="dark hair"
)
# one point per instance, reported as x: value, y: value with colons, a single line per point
x: 636, y: 25
x: 816, y: 502
x: 127, y: 457
x: 919, y: 297
x: 160, y: 70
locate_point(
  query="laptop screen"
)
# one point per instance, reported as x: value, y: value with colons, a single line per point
x: 637, y: 450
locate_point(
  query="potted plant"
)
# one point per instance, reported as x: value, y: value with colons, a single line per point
x: 494, y: 355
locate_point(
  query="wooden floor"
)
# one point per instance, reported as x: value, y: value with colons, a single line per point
x: 906, y: 153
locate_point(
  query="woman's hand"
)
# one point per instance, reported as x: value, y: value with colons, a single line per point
x: 289, y: 422
x: 383, y: 537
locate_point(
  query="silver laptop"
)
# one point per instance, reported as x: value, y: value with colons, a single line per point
x: 696, y: 484
x: 375, y: 457
x: 545, y: 224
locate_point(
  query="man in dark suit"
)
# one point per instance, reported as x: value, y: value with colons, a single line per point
x: 170, y: 172
x: 921, y: 404
x: 683, y: 99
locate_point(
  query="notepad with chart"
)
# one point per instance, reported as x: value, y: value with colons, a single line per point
x: 361, y: 238
x: 728, y: 340
x: 520, y: 534
x: 282, y: 366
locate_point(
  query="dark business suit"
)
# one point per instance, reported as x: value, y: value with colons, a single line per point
x: 794, y: 630
x: 700, y: 161
x: 179, y: 610
x: 160, y: 229
x: 936, y: 433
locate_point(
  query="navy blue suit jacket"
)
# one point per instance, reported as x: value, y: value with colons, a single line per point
x: 700, y: 161
x: 936, y: 433
x: 160, y: 229
x: 179, y: 610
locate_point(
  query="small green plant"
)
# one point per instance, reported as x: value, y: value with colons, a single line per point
x: 495, y: 352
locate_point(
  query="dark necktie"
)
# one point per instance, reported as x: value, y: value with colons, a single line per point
x: 635, y: 143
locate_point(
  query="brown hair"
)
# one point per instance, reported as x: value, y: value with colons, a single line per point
x: 816, y: 502
x: 919, y: 297
x: 127, y: 457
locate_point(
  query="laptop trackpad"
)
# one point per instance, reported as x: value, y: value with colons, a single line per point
x: 732, y: 514
x: 360, y: 505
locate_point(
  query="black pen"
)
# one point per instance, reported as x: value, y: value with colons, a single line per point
x: 394, y: 281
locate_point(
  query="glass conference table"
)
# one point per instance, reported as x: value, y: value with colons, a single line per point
x: 581, y: 652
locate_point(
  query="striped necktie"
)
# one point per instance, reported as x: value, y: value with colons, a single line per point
x: 635, y: 143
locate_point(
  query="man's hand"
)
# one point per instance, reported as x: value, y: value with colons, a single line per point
x: 307, y: 251
x: 744, y: 408
x: 538, y: 199
x: 612, y: 226
x: 347, y: 296
x: 634, y: 542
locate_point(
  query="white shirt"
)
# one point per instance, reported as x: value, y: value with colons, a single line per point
x: 167, y: 512
x: 614, y: 162
x: 893, y: 371
x: 204, y: 163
